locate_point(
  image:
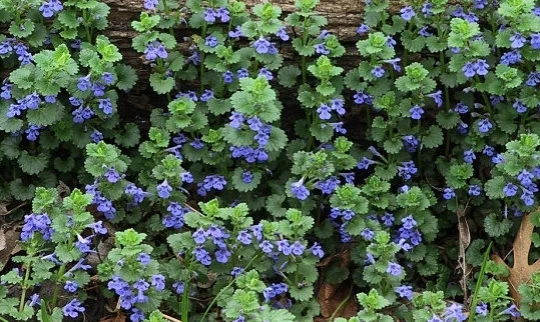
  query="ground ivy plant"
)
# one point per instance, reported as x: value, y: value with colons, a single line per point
x: 268, y: 171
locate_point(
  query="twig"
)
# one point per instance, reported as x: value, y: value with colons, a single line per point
x: 170, y: 318
x: 15, y: 209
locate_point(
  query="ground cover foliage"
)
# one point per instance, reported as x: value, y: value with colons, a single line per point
x: 218, y: 210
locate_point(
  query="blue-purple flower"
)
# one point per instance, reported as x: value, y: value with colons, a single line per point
x: 262, y: 46
x: 484, y: 125
x: 416, y: 112
x: 150, y: 4
x: 378, y: 71
x: 155, y: 50
x: 362, y: 29
x: 407, y: 13
x: 299, y: 190
x: 437, y: 97
x: 394, y: 269
x: 164, y: 190
x: 405, y: 291
x: 211, y: 41
x: 517, y: 40
x: 50, y: 8
x: 73, y: 308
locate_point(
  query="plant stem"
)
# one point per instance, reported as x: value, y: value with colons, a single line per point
x: 368, y: 116
x: 185, y: 296
x: 167, y: 11
x: 25, y: 286
x: 297, y: 274
x: 474, y: 301
x: 201, y: 72
x: 304, y: 41
x: 86, y: 28
x: 226, y: 288
x: 309, y: 117
x: 485, y: 98
x: 61, y: 273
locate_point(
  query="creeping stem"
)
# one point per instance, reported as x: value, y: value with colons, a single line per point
x: 25, y: 286
x: 61, y: 273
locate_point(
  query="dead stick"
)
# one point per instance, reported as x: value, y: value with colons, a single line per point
x: 170, y: 318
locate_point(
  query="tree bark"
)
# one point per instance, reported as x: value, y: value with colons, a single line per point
x: 344, y: 16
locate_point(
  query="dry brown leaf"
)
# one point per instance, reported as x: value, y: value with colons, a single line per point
x: 521, y: 272
x: 8, y: 245
x: 464, y: 242
x: 63, y: 189
x: 103, y: 248
x: 3, y: 209
x: 2, y: 240
x: 331, y: 296
x: 120, y: 317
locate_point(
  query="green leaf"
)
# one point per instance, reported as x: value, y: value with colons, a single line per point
x: 274, y: 205
x: 272, y: 315
x: 23, y: 29
x: 38, y: 37
x: 322, y: 131
x: 393, y: 146
x: 68, y: 19
x: 67, y: 254
x: 69, y: 33
x: 43, y: 316
x: 64, y: 165
x: 219, y: 106
x: 10, y: 147
x: 127, y: 77
x: 240, y: 185
x: 161, y: 84
x: 8, y: 124
x: 372, y: 301
x: 44, y: 198
x: 288, y: 75
x: 458, y: 175
x: 435, y: 44
x: 45, y: 115
x: 130, y: 136
x: 108, y: 51
x: 497, y: 227
x: 278, y: 140
x: 181, y: 242
x: 146, y: 23
x: 494, y: 187
x: 397, y: 26
x: 130, y: 237
x: 177, y: 61
x: 301, y: 294
x: 433, y: 138
x: 448, y: 119
x: 32, y: 164
x: 21, y: 77
x: 21, y: 191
